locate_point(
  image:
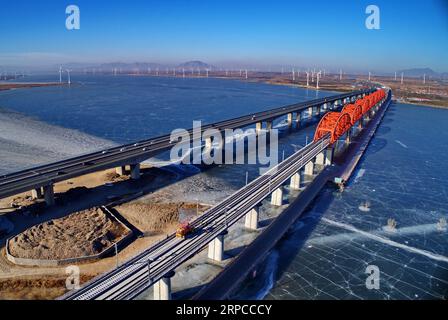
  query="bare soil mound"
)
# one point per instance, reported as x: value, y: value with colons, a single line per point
x: 80, y: 234
x: 155, y: 217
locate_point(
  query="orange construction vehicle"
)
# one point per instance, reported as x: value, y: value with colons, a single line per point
x: 184, y: 230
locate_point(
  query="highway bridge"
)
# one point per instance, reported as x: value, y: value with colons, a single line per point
x: 40, y: 180
x: 155, y: 266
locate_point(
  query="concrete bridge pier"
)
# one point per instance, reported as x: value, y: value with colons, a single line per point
x: 216, y: 247
x: 296, y: 181
x: 121, y: 170
x: 309, y: 168
x: 325, y: 158
x: 36, y: 193
x: 310, y: 112
x: 252, y: 218
x: 298, y: 119
x: 277, y: 197
x: 320, y: 158
x: 348, y: 136
x: 329, y: 153
x: 290, y: 119
x: 135, y: 171
x: 258, y: 127
x: 49, y: 195
x: 162, y: 288
x: 269, y: 125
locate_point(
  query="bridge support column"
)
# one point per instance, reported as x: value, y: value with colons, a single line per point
x: 296, y: 182
x: 289, y: 117
x: 348, y: 136
x: 162, y: 288
x: 121, y: 170
x: 310, y: 112
x: 49, y: 195
x: 269, y: 125
x: 277, y: 197
x: 135, y: 171
x: 298, y: 118
x: 252, y: 218
x: 309, y: 168
x: 360, y: 123
x: 216, y: 247
x: 329, y: 156
x: 320, y: 158
x: 36, y: 193
x: 258, y: 127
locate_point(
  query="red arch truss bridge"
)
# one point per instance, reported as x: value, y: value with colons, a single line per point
x: 354, y: 111
x: 335, y: 123
x: 338, y: 123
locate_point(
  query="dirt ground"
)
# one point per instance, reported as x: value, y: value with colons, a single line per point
x: 85, y: 233
x: 155, y: 217
x: 35, y: 288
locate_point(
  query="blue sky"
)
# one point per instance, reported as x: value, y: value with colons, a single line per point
x: 328, y: 34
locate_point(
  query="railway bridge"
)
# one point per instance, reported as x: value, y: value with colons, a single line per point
x: 156, y: 266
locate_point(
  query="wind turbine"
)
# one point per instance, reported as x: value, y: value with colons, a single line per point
x: 68, y: 75
x: 340, y: 75
x: 369, y: 75
x: 307, y: 78
x: 424, y: 78
x: 317, y: 82
x: 395, y: 75
x: 246, y: 74
x: 293, y: 75
x: 60, y: 74
x: 402, y: 78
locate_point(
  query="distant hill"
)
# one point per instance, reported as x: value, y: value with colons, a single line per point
x: 419, y: 72
x: 196, y: 64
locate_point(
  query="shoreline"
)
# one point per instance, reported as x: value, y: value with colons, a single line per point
x: 16, y: 85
